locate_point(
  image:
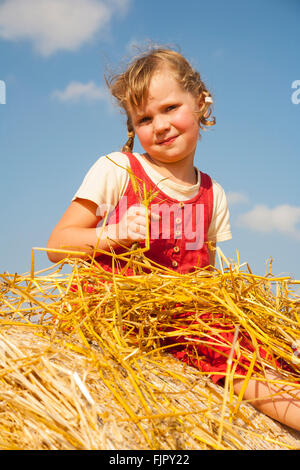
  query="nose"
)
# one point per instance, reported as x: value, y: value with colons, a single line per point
x: 161, y: 123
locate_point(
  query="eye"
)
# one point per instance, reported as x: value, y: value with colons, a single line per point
x: 171, y: 107
x: 144, y: 120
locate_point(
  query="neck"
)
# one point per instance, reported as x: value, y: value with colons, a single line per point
x: 179, y: 172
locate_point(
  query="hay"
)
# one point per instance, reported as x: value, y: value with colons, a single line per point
x: 82, y: 364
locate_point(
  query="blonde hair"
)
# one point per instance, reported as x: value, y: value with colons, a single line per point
x: 131, y: 87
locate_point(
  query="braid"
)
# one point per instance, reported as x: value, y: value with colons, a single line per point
x: 128, y: 147
x: 205, y: 110
x: 192, y: 82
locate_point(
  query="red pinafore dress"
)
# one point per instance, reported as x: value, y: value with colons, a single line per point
x: 179, y: 242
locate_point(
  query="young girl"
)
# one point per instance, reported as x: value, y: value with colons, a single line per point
x: 167, y: 104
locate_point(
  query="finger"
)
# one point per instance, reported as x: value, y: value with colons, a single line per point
x: 154, y: 216
x: 137, y: 210
x: 137, y: 230
x: 140, y: 220
x: 136, y: 236
x: 140, y: 229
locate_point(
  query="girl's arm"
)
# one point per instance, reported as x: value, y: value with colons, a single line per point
x: 77, y: 230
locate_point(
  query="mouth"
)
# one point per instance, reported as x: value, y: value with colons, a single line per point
x: 168, y: 141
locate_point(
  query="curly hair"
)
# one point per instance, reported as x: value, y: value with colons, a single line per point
x: 131, y: 87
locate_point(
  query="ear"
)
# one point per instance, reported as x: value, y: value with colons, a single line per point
x: 199, y: 107
x: 201, y: 101
x: 204, y: 102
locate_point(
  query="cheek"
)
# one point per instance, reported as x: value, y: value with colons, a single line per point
x: 185, y: 120
x: 144, y: 135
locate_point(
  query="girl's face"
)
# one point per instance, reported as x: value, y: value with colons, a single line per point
x: 167, y: 125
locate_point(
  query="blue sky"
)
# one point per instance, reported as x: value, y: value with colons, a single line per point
x: 58, y: 118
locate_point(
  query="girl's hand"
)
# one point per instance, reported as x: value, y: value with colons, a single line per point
x: 132, y: 227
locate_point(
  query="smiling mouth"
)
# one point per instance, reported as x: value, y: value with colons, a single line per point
x: 168, y: 141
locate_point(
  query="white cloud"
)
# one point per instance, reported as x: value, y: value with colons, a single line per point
x: 236, y: 198
x: 282, y: 219
x: 77, y: 91
x: 53, y: 25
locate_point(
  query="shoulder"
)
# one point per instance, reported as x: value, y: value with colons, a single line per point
x: 220, y: 225
x: 106, y: 179
x: 220, y: 199
x: 219, y: 229
x: 111, y: 161
x: 218, y: 190
x: 112, y: 167
x: 219, y: 195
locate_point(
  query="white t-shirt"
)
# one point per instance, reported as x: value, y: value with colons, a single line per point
x: 106, y: 182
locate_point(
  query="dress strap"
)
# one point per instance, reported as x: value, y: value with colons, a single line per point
x: 207, y: 185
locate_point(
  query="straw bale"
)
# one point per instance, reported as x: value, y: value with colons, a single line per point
x: 41, y: 406
x: 81, y: 363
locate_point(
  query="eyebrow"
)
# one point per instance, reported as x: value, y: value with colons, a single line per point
x: 139, y: 115
x: 166, y: 104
